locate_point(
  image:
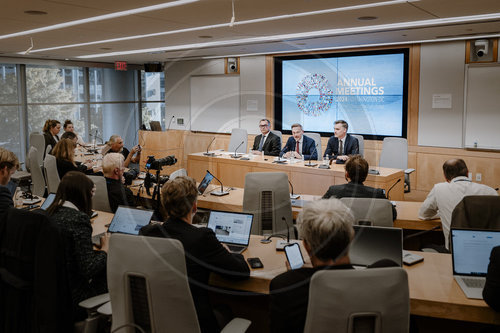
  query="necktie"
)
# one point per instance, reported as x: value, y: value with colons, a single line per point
x: 261, y: 142
x: 341, y: 148
x: 297, y: 148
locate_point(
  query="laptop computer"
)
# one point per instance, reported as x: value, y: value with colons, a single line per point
x: 470, y: 255
x: 231, y: 228
x: 371, y: 244
x: 128, y: 220
x: 205, y: 182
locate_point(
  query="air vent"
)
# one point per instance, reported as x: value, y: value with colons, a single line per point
x: 140, y: 307
x: 266, y: 214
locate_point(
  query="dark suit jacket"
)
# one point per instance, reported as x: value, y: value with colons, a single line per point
x: 491, y: 291
x: 49, y: 140
x: 64, y: 167
x: 308, y: 148
x: 118, y: 194
x: 355, y: 190
x: 5, y: 199
x: 351, y: 146
x: 204, y: 254
x: 271, y: 147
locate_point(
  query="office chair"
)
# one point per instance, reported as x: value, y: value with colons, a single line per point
x: 353, y: 301
x: 280, y: 135
x: 51, y: 176
x: 395, y: 155
x: 149, y: 287
x: 38, y: 141
x: 100, y: 201
x: 178, y: 173
x: 317, y: 139
x: 155, y: 126
x: 361, y: 143
x: 238, y: 135
x: 267, y: 196
x: 377, y: 211
x: 37, y: 179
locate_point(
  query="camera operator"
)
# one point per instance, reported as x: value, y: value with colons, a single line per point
x: 113, y: 168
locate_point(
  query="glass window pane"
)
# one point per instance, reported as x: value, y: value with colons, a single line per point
x: 153, y: 111
x: 153, y: 86
x: 108, y: 85
x: 115, y: 118
x: 54, y: 85
x: 8, y: 84
x: 38, y: 114
x: 9, y: 129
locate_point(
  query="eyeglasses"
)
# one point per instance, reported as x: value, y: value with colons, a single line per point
x: 262, y: 126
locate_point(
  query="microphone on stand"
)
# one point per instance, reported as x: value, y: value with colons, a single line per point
x: 169, y: 123
x: 389, y: 190
x: 207, y: 153
x: 236, y: 156
x: 221, y: 192
x: 310, y: 157
x: 293, y: 196
x: 280, y: 244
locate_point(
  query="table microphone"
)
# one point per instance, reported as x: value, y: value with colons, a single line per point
x: 170, y: 122
x: 221, y: 192
x: 280, y: 244
x: 310, y: 157
x: 389, y: 190
x: 235, y: 155
x: 207, y: 153
x: 293, y: 196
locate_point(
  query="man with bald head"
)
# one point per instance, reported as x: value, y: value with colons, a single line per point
x: 444, y: 197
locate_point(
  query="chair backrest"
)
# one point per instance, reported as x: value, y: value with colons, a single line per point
x: 148, y: 285
x: 37, y: 179
x: 280, y: 135
x: 51, y: 176
x: 394, y: 153
x: 267, y: 196
x: 178, y: 173
x: 38, y: 141
x: 378, y: 211
x: 352, y: 301
x: 100, y: 201
x: 238, y: 135
x: 317, y: 139
x: 155, y: 126
x: 361, y: 143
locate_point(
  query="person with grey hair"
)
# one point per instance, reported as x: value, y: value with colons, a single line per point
x: 267, y: 142
x: 326, y: 228
x: 115, y: 145
x: 113, y: 168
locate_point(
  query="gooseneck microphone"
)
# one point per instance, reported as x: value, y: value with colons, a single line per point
x: 389, y: 190
x: 169, y: 123
x: 280, y: 244
x: 221, y: 192
x: 310, y: 157
x: 235, y: 155
x: 293, y: 196
x: 207, y: 153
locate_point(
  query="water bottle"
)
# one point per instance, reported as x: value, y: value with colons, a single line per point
x: 18, y: 196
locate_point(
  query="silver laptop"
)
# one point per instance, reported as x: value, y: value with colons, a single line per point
x: 371, y: 244
x: 471, y: 251
x: 231, y: 228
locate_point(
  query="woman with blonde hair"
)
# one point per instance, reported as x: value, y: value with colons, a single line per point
x: 64, y: 152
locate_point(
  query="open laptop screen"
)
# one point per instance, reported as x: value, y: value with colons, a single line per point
x: 371, y: 244
x: 129, y: 220
x: 471, y: 250
x: 231, y: 227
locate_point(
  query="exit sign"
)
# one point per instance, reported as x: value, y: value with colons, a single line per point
x: 120, y: 65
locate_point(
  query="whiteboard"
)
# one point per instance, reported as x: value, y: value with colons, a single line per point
x: 215, y: 103
x: 482, y: 107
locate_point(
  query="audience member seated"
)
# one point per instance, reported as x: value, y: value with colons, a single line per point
x: 326, y: 229
x: 491, y: 291
x: 70, y: 135
x: 204, y: 253
x: 267, y: 141
x: 444, y: 197
x: 356, y: 171
x: 69, y: 128
x: 8, y: 165
x: 64, y: 152
x: 299, y: 145
x: 71, y: 211
x: 341, y: 144
x: 50, y: 132
x: 118, y: 194
x: 115, y: 145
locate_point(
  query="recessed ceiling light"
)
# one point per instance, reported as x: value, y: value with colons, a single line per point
x: 367, y: 18
x: 205, y: 36
x: 35, y: 12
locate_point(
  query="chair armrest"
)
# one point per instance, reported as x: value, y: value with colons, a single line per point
x: 408, y: 171
x: 105, y: 309
x: 236, y: 325
x: 94, y: 302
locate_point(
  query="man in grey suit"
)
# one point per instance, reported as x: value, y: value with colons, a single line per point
x: 267, y: 142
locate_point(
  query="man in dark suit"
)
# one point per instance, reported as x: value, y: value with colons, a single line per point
x: 341, y: 145
x: 204, y: 253
x: 299, y: 145
x: 491, y: 291
x: 356, y: 170
x: 118, y: 194
x: 8, y: 165
x: 268, y: 142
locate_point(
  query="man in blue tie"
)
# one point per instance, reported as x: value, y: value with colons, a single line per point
x: 267, y: 142
x: 299, y: 145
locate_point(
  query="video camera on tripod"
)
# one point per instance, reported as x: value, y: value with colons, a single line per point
x: 157, y: 164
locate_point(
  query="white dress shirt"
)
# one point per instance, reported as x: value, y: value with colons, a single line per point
x: 444, y: 197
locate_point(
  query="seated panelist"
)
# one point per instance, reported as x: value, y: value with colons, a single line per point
x: 51, y: 130
x: 299, y: 145
x: 113, y: 168
x: 64, y: 152
x: 267, y: 142
x: 341, y: 145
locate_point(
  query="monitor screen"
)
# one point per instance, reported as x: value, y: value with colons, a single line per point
x: 366, y: 89
x: 231, y: 227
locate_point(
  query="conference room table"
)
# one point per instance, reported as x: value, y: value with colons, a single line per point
x: 304, y: 179
x: 433, y: 290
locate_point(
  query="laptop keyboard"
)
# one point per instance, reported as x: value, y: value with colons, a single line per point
x: 234, y: 248
x: 474, y: 283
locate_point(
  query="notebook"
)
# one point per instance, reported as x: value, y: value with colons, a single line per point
x: 231, y: 228
x: 204, y: 183
x: 470, y: 254
x: 128, y: 220
x: 372, y: 244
